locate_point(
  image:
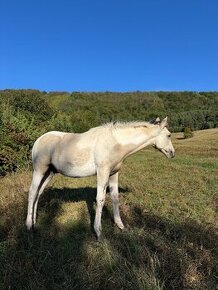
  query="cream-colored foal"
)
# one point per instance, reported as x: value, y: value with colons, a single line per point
x: 99, y: 151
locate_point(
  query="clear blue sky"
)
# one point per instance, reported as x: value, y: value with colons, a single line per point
x: 109, y: 45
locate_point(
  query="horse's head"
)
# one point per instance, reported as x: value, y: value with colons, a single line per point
x: 162, y: 141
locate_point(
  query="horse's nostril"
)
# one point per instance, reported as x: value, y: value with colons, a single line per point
x: 171, y: 153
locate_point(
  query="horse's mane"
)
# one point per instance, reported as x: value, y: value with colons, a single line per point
x: 132, y: 124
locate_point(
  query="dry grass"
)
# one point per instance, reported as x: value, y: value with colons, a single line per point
x: 168, y: 206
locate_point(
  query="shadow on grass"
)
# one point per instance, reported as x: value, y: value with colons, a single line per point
x: 44, y: 259
x: 154, y: 253
x: 49, y: 257
x: 55, y: 197
x: 182, y: 256
x: 87, y: 194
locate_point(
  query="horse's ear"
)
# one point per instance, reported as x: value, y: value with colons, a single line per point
x: 155, y: 121
x: 164, y: 123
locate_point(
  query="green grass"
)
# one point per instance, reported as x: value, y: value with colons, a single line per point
x: 169, y: 208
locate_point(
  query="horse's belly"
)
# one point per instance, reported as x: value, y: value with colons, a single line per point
x: 72, y: 170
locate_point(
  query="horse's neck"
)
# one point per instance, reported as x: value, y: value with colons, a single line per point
x: 134, y: 139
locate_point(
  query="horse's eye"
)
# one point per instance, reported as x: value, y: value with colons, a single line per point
x: 169, y: 135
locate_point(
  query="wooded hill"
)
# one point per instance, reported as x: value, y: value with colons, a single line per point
x: 26, y: 114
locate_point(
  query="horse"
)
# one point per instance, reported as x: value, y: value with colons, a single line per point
x: 99, y: 151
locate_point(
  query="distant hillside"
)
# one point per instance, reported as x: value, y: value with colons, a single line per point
x: 25, y: 114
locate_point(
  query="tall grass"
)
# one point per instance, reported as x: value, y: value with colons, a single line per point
x: 169, y: 208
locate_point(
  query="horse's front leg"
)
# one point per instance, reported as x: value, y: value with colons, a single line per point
x: 114, y: 192
x: 102, y: 182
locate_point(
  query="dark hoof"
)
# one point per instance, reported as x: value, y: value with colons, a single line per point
x: 100, y: 239
x: 32, y: 230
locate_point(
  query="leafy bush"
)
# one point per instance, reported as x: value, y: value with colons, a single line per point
x: 188, y: 133
x: 31, y: 103
x: 18, y: 134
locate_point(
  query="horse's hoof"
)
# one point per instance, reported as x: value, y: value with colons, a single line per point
x: 125, y: 230
x: 100, y: 239
x: 31, y: 229
x: 119, y: 224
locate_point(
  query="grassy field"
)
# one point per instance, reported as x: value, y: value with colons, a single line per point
x: 169, y: 208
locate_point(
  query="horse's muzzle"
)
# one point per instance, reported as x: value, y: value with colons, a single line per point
x: 168, y: 153
x: 171, y: 154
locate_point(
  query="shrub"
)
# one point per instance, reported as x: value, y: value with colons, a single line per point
x: 17, y: 135
x: 188, y: 133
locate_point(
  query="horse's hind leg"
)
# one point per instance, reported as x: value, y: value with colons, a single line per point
x: 114, y: 193
x: 39, y: 181
x: 45, y: 180
x: 33, y: 191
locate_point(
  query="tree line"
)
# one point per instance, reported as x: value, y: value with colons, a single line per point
x: 26, y: 114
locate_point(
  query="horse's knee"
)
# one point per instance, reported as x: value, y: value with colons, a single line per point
x: 100, y: 202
